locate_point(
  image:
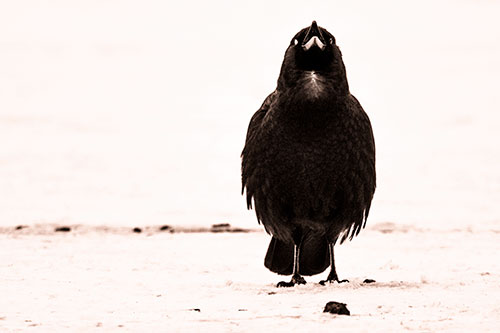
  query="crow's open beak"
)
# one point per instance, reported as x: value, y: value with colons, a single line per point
x: 313, y: 38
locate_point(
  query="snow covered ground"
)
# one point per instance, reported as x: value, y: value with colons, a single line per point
x: 149, y: 282
x: 123, y: 114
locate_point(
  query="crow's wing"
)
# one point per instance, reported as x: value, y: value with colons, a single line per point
x: 365, y: 188
x: 250, y: 153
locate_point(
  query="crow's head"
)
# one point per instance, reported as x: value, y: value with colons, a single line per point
x: 313, y: 50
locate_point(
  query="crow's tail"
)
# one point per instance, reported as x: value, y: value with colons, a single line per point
x: 313, y: 259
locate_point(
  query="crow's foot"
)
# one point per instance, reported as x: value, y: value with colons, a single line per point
x: 296, y: 279
x: 332, y: 277
x: 323, y: 282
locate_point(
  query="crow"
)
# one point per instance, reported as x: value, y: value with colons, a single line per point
x: 308, y: 163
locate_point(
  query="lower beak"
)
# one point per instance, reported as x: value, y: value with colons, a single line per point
x: 314, y: 41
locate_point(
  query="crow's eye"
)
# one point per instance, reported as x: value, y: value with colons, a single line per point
x: 295, y: 42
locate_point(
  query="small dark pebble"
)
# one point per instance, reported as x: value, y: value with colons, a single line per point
x: 63, y: 229
x: 369, y: 281
x: 242, y: 310
x: 220, y: 228
x: 238, y: 230
x: 225, y: 227
x: 221, y: 225
x: 197, y: 310
x: 336, y: 308
x: 165, y: 227
x: 271, y: 293
x: 19, y: 227
x: 137, y: 230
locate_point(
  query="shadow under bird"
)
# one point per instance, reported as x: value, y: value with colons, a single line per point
x: 308, y: 163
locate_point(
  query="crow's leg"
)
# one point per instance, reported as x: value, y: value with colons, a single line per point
x: 332, y: 277
x: 296, y: 277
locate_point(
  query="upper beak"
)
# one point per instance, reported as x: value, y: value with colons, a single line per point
x: 313, y: 38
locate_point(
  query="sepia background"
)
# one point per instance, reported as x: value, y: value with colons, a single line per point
x: 134, y: 113
x: 131, y: 113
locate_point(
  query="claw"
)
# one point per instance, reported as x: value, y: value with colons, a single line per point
x: 296, y: 279
x: 323, y: 282
x: 284, y: 284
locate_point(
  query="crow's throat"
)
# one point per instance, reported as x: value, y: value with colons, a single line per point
x: 314, y: 86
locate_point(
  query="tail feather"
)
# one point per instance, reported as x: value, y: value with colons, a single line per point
x: 279, y: 257
x: 314, y: 256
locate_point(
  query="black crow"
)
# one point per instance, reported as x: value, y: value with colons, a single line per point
x: 309, y: 160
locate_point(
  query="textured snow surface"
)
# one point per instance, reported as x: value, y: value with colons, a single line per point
x: 426, y: 282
